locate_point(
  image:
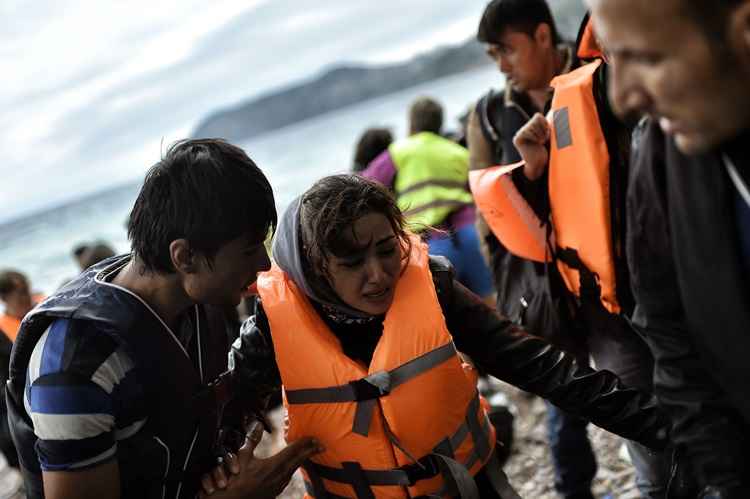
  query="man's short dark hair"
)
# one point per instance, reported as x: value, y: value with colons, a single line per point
x: 523, y: 16
x: 8, y: 280
x: 372, y: 142
x: 206, y: 191
x: 425, y: 115
x: 711, y: 15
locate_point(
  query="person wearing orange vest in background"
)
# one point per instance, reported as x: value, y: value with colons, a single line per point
x: 587, y: 167
x: 15, y: 294
x: 362, y: 328
x: 521, y: 37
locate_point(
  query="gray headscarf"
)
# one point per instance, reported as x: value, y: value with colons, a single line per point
x: 288, y: 254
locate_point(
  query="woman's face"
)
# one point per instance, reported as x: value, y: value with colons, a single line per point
x: 365, y: 275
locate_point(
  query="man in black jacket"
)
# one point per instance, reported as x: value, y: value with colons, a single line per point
x: 686, y: 64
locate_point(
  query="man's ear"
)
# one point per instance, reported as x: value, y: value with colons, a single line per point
x: 543, y: 35
x: 739, y: 34
x: 184, y: 259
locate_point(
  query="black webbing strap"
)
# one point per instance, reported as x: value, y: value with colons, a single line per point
x: 590, y: 289
x: 316, y: 485
x: 366, y: 390
x: 324, y: 494
x: 499, y: 479
x: 457, y: 476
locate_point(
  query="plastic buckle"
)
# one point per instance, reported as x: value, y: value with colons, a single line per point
x: 426, y: 467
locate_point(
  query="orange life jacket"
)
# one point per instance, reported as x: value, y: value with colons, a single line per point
x: 508, y: 214
x: 390, y: 430
x: 10, y: 326
x: 579, y: 195
x: 588, y: 46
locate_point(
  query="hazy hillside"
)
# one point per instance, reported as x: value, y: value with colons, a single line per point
x: 342, y: 86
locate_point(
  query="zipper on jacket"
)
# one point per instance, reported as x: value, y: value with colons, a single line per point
x: 187, y: 460
x: 166, y: 468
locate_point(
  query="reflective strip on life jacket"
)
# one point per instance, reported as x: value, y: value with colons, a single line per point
x: 508, y: 214
x: 431, y: 178
x: 579, y: 188
x: 429, y: 466
x: 412, y: 401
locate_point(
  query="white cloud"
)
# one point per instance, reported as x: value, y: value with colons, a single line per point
x: 90, y: 87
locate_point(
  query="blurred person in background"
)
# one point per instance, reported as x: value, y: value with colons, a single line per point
x: 429, y: 175
x: 15, y: 294
x: 78, y: 251
x: 95, y: 253
x: 371, y: 143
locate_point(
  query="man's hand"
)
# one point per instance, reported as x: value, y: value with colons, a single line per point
x: 245, y: 476
x: 531, y: 142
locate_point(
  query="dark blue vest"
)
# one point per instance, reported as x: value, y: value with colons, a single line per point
x: 167, y: 457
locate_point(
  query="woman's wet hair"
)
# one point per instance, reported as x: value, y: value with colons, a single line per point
x: 206, y: 191
x: 330, y: 208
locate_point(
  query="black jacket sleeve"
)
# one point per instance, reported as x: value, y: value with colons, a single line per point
x: 509, y: 353
x: 708, y: 435
x: 253, y: 363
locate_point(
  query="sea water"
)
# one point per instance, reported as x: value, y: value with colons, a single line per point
x: 294, y: 157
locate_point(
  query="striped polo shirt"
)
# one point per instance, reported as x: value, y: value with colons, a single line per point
x: 83, y: 395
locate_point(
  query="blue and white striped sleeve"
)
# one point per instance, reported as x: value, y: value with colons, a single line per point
x: 72, y: 378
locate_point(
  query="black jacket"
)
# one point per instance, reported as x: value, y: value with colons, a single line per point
x: 693, y: 304
x: 496, y: 345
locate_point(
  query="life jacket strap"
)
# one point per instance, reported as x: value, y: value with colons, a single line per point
x: 367, y: 390
x: 440, y: 461
x: 589, y: 281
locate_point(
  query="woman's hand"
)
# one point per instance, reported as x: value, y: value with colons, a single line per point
x: 245, y: 476
x: 531, y: 142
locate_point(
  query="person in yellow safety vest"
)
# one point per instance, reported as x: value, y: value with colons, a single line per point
x: 429, y: 175
x: 587, y: 166
x: 362, y: 329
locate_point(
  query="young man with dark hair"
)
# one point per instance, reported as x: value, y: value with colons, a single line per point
x: 116, y: 386
x: 521, y: 37
x: 686, y: 65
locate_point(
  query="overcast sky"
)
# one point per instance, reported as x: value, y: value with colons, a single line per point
x: 92, y: 88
